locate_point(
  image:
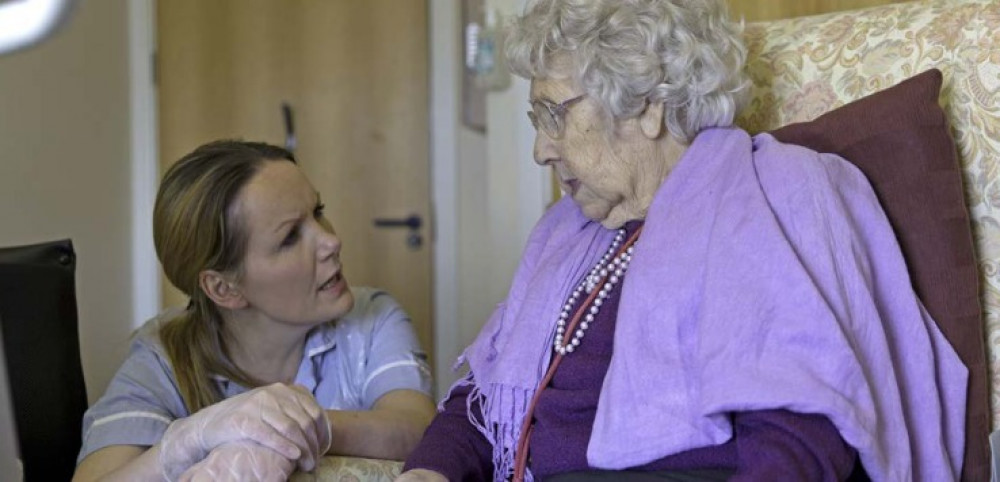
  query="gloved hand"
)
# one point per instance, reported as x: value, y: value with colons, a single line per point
x: 283, y: 418
x: 238, y: 462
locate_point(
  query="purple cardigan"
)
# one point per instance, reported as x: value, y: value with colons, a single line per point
x: 767, y: 277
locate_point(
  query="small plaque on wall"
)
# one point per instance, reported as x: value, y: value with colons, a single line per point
x: 473, y: 96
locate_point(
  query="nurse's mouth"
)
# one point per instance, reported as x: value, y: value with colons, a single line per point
x: 332, y: 281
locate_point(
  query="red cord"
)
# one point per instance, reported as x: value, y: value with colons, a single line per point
x: 521, y: 451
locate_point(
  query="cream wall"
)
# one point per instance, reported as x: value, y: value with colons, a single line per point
x: 478, y: 291
x: 487, y: 192
x: 65, y: 168
x: 458, y: 159
x: 517, y: 189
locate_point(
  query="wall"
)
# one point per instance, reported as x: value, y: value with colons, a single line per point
x: 518, y: 188
x: 458, y: 169
x: 488, y: 192
x: 65, y: 168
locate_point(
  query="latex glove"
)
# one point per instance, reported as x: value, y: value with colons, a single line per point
x: 285, y: 419
x: 421, y: 475
x: 240, y: 461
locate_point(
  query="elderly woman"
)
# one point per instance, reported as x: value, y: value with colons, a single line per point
x: 702, y: 304
x: 276, y: 360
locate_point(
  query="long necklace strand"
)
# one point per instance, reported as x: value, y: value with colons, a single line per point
x: 607, y: 273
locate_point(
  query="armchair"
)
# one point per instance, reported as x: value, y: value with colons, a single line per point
x: 808, y: 66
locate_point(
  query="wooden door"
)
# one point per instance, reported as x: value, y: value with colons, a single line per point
x: 355, y: 74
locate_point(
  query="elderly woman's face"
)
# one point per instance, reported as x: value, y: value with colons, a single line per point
x: 598, y: 163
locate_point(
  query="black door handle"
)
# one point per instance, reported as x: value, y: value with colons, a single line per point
x: 413, y: 222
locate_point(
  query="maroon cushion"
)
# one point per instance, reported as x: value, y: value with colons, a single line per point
x: 900, y: 139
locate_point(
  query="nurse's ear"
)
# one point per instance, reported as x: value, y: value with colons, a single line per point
x: 221, y: 290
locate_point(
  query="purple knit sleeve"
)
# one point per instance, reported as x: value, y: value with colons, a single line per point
x: 452, y: 446
x: 783, y: 445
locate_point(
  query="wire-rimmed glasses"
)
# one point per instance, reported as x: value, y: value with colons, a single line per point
x: 549, y: 117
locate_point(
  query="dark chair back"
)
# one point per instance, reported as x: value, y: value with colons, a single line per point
x: 39, y: 321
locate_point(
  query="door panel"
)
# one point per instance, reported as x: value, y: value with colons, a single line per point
x: 355, y: 75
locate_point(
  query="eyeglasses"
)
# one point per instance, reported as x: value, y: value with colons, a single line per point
x: 549, y: 117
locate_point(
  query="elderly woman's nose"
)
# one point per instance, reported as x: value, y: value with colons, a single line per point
x: 544, y: 150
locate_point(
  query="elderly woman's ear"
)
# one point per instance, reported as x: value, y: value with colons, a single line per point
x: 651, y: 120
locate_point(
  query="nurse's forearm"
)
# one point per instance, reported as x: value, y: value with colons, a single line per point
x: 389, y: 431
x: 121, y: 462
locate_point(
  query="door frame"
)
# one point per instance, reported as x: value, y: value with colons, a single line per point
x: 145, y: 174
x: 443, y: 110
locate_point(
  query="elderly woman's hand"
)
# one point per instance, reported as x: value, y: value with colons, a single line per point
x: 421, y: 475
x: 282, y: 418
x: 238, y: 462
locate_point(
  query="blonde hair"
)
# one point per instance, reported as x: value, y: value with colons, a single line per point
x: 627, y: 53
x: 195, y: 229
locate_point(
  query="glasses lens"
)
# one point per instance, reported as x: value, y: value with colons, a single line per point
x: 555, y: 126
x: 533, y: 119
x: 541, y: 117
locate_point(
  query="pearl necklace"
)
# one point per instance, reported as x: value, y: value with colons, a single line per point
x: 609, y: 270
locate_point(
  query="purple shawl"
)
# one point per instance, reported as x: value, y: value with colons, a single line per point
x: 767, y: 276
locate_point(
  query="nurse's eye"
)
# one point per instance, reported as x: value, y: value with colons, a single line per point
x: 291, y: 238
x: 318, y: 210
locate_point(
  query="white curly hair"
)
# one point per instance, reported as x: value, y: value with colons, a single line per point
x: 627, y: 53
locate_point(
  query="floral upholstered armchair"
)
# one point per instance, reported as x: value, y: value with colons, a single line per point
x: 934, y: 187
x: 930, y: 146
x: 351, y: 469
